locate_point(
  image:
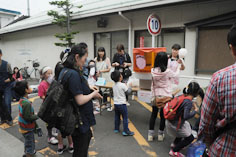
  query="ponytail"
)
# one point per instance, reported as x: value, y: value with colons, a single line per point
x: 192, y: 89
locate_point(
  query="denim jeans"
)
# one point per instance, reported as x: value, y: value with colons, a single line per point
x: 121, y: 110
x: 5, y: 103
x: 29, y: 143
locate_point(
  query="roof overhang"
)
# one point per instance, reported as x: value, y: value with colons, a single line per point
x: 45, y: 20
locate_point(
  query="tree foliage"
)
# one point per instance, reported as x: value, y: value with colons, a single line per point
x: 63, y: 19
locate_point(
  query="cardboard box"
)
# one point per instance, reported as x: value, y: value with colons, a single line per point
x: 145, y: 84
x: 145, y: 96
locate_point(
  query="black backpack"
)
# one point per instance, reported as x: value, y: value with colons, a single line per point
x: 59, y: 108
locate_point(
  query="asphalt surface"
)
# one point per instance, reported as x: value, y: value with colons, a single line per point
x: 105, y: 142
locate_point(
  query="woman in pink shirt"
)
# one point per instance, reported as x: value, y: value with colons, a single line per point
x: 161, y: 91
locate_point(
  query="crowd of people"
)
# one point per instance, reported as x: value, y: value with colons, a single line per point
x: 216, y: 125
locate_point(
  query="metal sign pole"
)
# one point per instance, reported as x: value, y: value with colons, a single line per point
x: 153, y: 41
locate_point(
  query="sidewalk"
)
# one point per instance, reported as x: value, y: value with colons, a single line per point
x: 10, y: 146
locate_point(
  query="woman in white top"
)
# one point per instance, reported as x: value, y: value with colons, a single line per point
x: 103, y: 64
x: 174, y: 62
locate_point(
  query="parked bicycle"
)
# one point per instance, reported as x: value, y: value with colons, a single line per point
x: 27, y: 74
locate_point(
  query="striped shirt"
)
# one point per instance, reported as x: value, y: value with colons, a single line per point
x: 219, y: 109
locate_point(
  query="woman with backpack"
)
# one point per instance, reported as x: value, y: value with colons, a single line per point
x: 161, y: 91
x: 178, y: 126
x: 72, y: 75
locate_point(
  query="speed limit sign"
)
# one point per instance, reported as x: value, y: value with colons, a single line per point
x: 154, y: 24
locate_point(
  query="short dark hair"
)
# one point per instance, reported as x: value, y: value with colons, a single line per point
x: 176, y: 47
x: 0, y: 51
x: 115, y: 75
x: 161, y: 61
x: 101, y: 49
x: 83, y: 45
x: 231, y: 38
x: 120, y: 47
x: 20, y: 88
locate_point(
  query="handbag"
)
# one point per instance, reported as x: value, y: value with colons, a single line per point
x: 160, y: 102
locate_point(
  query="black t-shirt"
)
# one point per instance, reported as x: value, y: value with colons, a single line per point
x: 78, y: 85
x: 121, y: 59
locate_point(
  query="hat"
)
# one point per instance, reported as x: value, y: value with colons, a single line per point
x: 45, y: 69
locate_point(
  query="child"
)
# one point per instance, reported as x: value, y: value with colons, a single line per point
x: 182, y: 130
x: 196, y: 125
x: 161, y: 91
x: 27, y: 118
x: 92, y: 77
x: 174, y: 62
x: 46, y: 76
x: 119, y: 90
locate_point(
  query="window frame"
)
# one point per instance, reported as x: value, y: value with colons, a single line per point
x: 198, y: 71
x: 181, y: 29
x: 110, y: 32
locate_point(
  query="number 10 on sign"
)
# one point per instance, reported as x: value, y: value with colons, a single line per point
x: 154, y: 25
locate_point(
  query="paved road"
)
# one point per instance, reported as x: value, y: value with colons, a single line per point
x: 106, y: 143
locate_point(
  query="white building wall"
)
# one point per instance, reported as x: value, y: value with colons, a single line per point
x: 5, y: 19
x: 40, y: 41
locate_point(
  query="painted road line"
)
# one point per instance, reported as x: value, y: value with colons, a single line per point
x: 140, y: 139
x: 6, y: 126
x: 48, y: 152
x: 31, y: 99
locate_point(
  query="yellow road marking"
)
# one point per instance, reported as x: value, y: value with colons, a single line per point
x: 92, y: 153
x: 31, y: 99
x: 6, y: 126
x: 48, y: 152
x: 140, y: 139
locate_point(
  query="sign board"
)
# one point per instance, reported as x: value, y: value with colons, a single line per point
x: 154, y: 25
x: 141, y: 42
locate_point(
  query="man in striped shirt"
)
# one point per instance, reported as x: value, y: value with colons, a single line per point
x: 219, y: 108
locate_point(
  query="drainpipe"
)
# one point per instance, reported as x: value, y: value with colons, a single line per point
x: 130, y: 32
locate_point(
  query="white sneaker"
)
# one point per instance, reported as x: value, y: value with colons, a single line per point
x: 52, y: 140
x: 54, y: 132
x: 109, y: 109
x: 176, y: 154
x: 127, y: 103
x: 150, y: 138
x: 194, y: 133
x: 161, y: 137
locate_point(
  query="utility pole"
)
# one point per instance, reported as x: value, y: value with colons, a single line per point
x: 28, y: 7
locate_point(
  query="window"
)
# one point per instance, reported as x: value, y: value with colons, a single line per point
x: 212, y: 51
x: 109, y: 41
x: 167, y: 38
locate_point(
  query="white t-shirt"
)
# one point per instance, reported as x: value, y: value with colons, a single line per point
x: 119, y: 90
